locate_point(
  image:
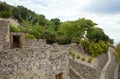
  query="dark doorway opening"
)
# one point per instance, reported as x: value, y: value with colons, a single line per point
x: 16, y: 43
x: 59, y: 76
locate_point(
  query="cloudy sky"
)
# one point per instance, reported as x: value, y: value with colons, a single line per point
x: 106, y: 13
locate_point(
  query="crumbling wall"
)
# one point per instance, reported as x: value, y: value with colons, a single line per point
x: 4, y: 34
x: 85, y: 71
x: 33, y: 63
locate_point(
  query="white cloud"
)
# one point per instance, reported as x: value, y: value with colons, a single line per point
x: 71, y: 10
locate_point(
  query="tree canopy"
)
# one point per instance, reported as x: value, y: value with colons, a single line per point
x: 42, y: 28
x: 37, y: 26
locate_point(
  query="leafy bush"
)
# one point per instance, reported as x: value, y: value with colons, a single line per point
x: 36, y: 30
x: 14, y: 29
x: 98, y: 48
x: 85, y: 44
x: 5, y: 14
x: 29, y: 36
x: 63, y: 40
x: 90, y: 59
x: 94, y: 48
x: 77, y: 40
x: 83, y: 59
x: 117, y: 53
x: 72, y: 54
x: 78, y: 57
x: 49, y: 36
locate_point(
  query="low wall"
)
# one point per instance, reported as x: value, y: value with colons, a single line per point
x: 73, y: 75
x: 101, y: 61
x: 88, y: 72
x: 85, y: 71
x: 109, y: 73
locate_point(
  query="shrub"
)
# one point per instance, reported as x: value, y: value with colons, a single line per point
x: 62, y: 40
x: 14, y: 29
x: 77, y: 40
x: 83, y: 59
x: 85, y: 44
x: 90, y: 59
x: 72, y: 54
x: 49, y: 36
x: 98, y: 48
x: 117, y: 53
x: 5, y: 14
x: 29, y: 36
x: 78, y: 57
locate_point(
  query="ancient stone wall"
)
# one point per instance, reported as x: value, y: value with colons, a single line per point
x: 73, y: 75
x: 4, y: 34
x: 37, y: 60
x: 101, y: 61
x: 109, y: 73
x: 85, y: 71
x: 33, y: 63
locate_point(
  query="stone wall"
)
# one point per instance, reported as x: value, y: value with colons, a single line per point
x: 37, y: 60
x: 109, y: 73
x: 33, y: 63
x: 101, y: 61
x: 85, y: 71
x: 73, y: 75
x: 4, y: 34
x: 88, y: 72
x: 118, y: 75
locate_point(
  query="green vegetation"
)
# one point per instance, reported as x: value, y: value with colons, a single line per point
x: 83, y: 59
x: 55, y: 31
x: 72, y: 54
x: 98, y: 48
x: 15, y: 29
x: 90, y: 59
x: 95, y: 48
x: 29, y: 36
x: 78, y: 57
x: 117, y: 53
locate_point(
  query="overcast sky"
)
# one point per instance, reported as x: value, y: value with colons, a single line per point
x: 106, y: 13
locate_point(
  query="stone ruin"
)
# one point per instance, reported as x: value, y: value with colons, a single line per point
x: 30, y: 59
x: 34, y: 59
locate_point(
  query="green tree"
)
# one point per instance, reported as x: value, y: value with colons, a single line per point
x: 37, y: 31
x: 73, y: 29
x: 117, y: 53
x: 56, y: 23
x: 97, y: 34
x: 5, y: 10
